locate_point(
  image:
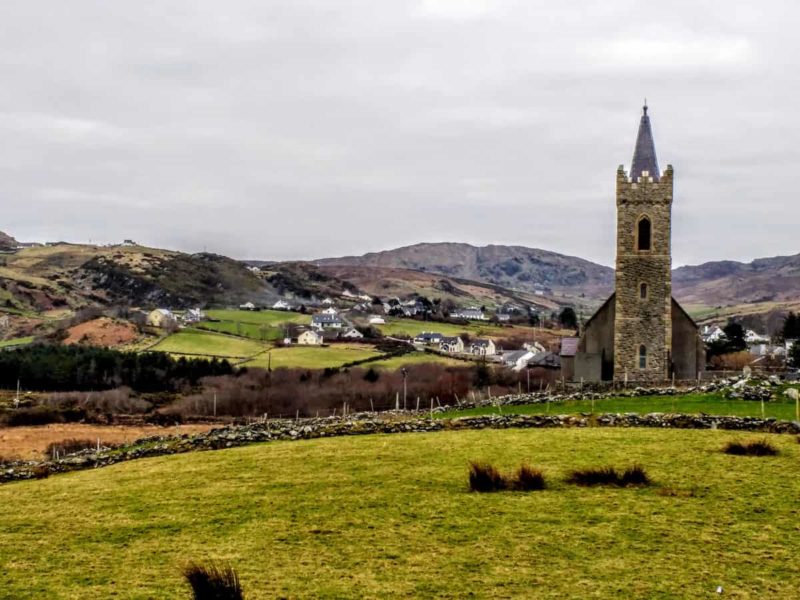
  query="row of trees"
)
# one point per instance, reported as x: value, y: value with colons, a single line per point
x: 45, y: 367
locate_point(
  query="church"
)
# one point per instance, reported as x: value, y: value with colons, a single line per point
x: 641, y: 334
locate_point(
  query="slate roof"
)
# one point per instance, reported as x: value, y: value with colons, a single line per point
x: 644, y: 154
x: 325, y: 319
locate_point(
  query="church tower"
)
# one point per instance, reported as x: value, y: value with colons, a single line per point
x: 643, y: 299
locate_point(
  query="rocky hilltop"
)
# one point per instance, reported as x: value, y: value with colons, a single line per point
x: 514, y: 267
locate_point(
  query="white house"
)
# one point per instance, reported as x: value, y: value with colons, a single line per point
x: 326, y: 321
x: 454, y: 345
x: 518, y: 359
x: 483, y: 348
x: 327, y: 302
x: 329, y: 311
x: 247, y: 306
x: 352, y: 334
x: 282, y: 305
x: 309, y: 338
x: 751, y: 337
x: 534, y: 347
x: 712, y: 334
x: 193, y: 315
x: 377, y: 320
x: 429, y: 337
x: 161, y: 317
x: 471, y: 314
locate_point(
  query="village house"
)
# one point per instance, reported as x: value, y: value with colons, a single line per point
x: 193, y: 315
x: 329, y: 311
x: 327, y: 302
x: 517, y: 359
x: 282, y: 305
x: 482, y: 348
x: 751, y: 337
x: 377, y: 320
x: 712, y: 334
x: 352, y: 334
x: 247, y: 306
x: 428, y: 337
x: 569, y: 348
x: 309, y: 338
x: 471, y: 314
x: 453, y: 345
x: 162, y: 318
x: 326, y: 321
x: 503, y: 317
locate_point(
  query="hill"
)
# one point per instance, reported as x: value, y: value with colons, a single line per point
x: 390, y: 516
x: 513, y: 267
x: 7, y: 242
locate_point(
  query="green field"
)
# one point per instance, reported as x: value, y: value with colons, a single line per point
x: 389, y: 516
x: 411, y: 328
x: 260, y: 317
x: 418, y: 358
x: 200, y: 343
x: 254, y: 331
x: 711, y: 404
x: 23, y: 341
x: 314, y: 357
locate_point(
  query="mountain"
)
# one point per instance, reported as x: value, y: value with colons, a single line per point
x: 7, y: 242
x: 513, y: 267
x: 725, y: 283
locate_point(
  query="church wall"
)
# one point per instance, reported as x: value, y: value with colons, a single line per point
x: 687, y: 349
x: 598, y: 340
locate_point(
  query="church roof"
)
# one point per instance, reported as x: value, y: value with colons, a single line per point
x: 644, y: 154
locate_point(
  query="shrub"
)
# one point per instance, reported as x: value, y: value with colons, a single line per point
x: 484, y: 477
x: 527, y: 479
x: 753, y: 448
x: 595, y: 476
x: 40, y: 471
x: 212, y: 582
x: 633, y: 476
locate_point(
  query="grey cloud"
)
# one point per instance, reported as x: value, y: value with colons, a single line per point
x: 303, y: 128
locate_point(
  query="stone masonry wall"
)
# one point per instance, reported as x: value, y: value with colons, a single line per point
x: 643, y: 322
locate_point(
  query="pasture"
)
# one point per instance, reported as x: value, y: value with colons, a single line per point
x: 313, y: 357
x: 199, y: 343
x: 711, y: 404
x: 390, y: 516
x: 411, y: 328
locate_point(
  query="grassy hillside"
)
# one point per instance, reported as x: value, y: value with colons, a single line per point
x: 389, y: 516
x: 313, y: 357
x: 193, y: 342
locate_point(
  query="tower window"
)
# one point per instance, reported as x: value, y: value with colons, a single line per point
x: 643, y: 234
x: 642, y: 356
x: 643, y: 291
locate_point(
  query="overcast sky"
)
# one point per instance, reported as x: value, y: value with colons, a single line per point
x: 311, y: 128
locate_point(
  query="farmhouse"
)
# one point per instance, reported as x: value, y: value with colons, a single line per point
x: 352, y: 334
x: 454, y: 345
x: 377, y: 320
x: 641, y: 333
x: 161, y: 317
x: 282, y: 305
x: 247, y: 306
x: 482, y: 348
x: 309, y: 338
x: 471, y: 314
x: 428, y: 337
x: 327, y: 321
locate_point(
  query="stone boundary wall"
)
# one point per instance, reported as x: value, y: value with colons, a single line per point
x: 369, y: 424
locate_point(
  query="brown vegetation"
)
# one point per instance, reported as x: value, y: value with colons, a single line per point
x: 753, y: 448
x: 103, y: 331
x: 633, y: 476
x: 28, y: 443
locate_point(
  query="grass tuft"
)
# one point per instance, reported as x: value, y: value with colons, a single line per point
x: 633, y: 476
x: 213, y: 582
x: 528, y: 479
x: 484, y: 477
x: 752, y: 448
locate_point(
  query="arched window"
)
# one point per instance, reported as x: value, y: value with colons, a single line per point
x: 643, y: 291
x: 642, y: 356
x: 643, y: 234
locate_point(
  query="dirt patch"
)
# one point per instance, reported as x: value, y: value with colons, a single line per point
x: 29, y: 442
x: 102, y: 332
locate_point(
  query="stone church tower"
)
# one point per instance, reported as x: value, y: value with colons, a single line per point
x: 643, y: 316
x: 641, y: 333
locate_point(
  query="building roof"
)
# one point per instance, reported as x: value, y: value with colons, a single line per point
x: 450, y: 340
x: 326, y: 318
x: 569, y: 346
x: 481, y: 343
x: 644, y: 154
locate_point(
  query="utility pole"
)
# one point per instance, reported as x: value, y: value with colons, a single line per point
x: 404, y: 371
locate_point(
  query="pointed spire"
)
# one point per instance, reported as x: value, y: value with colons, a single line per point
x: 644, y: 154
